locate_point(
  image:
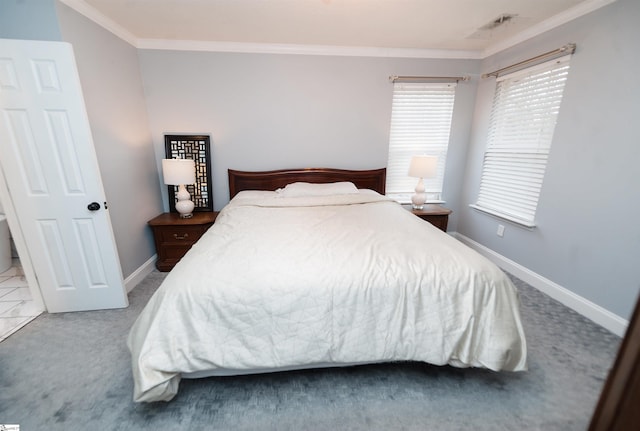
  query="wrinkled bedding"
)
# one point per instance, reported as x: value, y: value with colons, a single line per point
x: 281, y: 283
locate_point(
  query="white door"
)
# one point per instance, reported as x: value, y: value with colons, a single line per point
x: 50, y: 167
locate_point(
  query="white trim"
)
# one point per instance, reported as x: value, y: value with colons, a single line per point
x: 84, y: 8
x: 295, y: 49
x: 139, y: 274
x: 564, y: 17
x: 93, y: 14
x: 505, y: 217
x: 588, y: 309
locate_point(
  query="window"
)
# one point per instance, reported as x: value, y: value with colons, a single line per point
x: 420, y: 125
x: 523, y: 118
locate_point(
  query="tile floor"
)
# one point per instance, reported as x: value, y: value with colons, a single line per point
x: 16, y: 307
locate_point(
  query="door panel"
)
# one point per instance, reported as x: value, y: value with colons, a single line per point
x: 86, y: 235
x: 52, y: 173
x: 23, y: 146
x: 64, y: 149
x: 56, y: 255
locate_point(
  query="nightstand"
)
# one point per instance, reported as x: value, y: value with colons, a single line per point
x: 174, y: 236
x: 435, y: 214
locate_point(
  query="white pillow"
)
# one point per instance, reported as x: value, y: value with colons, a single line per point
x: 322, y: 189
x: 255, y: 194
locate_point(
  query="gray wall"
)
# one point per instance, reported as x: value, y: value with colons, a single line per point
x: 588, y: 238
x: 112, y: 88
x: 276, y: 111
x: 110, y: 79
x: 29, y: 19
x: 270, y: 111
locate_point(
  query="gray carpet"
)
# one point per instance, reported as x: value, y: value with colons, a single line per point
x: 71, y: 372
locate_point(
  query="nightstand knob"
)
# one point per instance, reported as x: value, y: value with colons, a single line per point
x: 185, y: 236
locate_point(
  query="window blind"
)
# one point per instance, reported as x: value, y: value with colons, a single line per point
x: 522, y: 122
x: 420, y: 125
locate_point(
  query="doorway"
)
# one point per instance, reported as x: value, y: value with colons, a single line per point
x: 17, y: 307
x: 17, y: 304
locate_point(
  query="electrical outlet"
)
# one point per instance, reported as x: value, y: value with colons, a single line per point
x: 500, y: 230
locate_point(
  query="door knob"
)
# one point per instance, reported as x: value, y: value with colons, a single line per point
x: 93, y: 206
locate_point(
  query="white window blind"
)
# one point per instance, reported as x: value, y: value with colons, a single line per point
x: 523, y: 118
x: 420, y: 125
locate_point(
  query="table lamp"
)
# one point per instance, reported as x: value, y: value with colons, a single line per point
x: 421, y: 167
x: 178, y: 172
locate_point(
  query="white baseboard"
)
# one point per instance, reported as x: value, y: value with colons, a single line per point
x: 139, y: 274
x: 588, y: 309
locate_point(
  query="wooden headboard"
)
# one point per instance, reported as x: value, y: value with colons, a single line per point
x: 373, y: 179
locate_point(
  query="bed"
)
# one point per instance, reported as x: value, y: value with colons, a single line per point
x: 312, y: 268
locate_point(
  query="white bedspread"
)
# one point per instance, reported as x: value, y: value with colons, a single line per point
x: 292, y: 282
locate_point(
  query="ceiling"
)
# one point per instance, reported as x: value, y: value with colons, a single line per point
x: 471, y: 28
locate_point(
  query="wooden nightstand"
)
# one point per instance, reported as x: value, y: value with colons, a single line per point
x: 434, y: 214
x: 174, y: 236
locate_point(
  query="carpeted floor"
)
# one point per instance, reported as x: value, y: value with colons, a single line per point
x: 72, y: 372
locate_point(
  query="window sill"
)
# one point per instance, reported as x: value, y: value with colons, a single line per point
x: 516, y: 221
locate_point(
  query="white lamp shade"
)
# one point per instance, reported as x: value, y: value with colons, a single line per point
x: 178, y: 171
x: 423, y: 166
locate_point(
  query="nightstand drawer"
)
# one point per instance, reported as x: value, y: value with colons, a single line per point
x: 187, y: 234
x: 174, y: 236
x: 434, y: 214
x: 439, y: 221
x: 174, y: 251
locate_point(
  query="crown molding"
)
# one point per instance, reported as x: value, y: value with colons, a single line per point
x: 555, y: 21
x: 265, y: 48
x: 96, y: 16
x: 93, y: 14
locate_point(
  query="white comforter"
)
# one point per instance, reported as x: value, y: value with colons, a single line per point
x: 281, y: 283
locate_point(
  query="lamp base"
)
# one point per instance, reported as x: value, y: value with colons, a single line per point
x: 184, y: 206
x: 419, y: 197
x: 417, y: 204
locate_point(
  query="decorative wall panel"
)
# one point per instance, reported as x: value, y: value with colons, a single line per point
x: 197, y: 148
